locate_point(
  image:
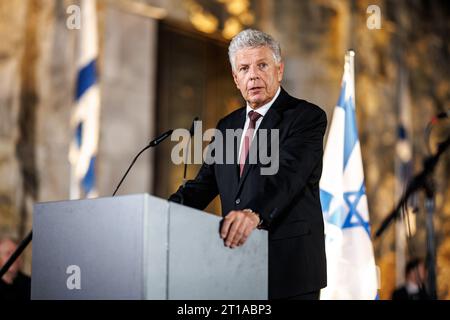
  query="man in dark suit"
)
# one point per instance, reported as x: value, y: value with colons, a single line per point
x: 286, y: 201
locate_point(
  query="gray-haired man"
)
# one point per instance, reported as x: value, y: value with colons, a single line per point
x: 287, y: 203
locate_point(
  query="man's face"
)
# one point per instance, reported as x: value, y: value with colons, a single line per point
x: 418, y: 274
x: 257, y: 75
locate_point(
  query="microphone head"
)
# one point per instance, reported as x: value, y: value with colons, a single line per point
x: 161, y: 138
x: 444, y: 114
x: 191, y: 131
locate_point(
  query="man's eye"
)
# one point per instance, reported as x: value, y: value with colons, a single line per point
x: 243, y: 68
x: 263, y: 65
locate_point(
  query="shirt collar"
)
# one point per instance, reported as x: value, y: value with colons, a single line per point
x: 263, y: 110
x: 412, y: 288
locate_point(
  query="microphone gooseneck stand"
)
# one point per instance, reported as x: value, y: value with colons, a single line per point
x: 29, y: 237
x: 422, y: 180
x: 179, y: 195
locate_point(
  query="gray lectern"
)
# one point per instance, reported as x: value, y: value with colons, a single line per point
x: 140, y: 247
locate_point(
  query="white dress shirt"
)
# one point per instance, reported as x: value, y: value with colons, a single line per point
x: 262, y: 111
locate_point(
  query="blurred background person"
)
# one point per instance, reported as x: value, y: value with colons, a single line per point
x: 414, y: 287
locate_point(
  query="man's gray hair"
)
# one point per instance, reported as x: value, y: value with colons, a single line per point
x: 250, y: 38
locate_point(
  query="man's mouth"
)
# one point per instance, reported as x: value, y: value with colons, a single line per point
x: 254, y: 89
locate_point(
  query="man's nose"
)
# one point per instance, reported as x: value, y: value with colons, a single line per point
x: 253, y: 73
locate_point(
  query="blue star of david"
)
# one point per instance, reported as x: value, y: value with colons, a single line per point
x: 353, y: 212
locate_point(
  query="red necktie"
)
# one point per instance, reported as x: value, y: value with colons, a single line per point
x: 254, y: 116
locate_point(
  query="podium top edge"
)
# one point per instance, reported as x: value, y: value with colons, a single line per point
x: 100, y: 198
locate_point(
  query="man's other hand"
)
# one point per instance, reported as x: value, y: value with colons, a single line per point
x: 237, y: 227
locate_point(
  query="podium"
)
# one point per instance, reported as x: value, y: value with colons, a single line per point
x: 140, y: 247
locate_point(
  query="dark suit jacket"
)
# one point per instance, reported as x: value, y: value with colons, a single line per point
x: 19, y: 290
x: 403, y: 294
x: 288, y: 201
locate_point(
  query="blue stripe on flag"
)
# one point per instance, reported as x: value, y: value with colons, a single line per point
x: 79, y: 134
x: 86, y: 78
x: 341, y: 100
x: 89, y: 178
x: 401, y: 132
x: 325, y: 199
x: 351, y: 131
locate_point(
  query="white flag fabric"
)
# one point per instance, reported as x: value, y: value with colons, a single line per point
x: 351, y: 269
x: 86, y: 115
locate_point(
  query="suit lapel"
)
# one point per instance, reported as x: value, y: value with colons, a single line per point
x: 232, y: 170
x: 270, y: 121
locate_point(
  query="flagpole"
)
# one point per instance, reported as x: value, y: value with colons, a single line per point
x: 400, y: 234
x: 350, y: 58
x: 405, y: 224
x: 74, y: 191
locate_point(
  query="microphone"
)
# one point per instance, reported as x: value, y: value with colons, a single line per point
x: 191, y: 132
x: 179, y: 195
x: 160, y: 139
x: 440, y: 115
x: 444, y: 114
x: 152, y: 143
x: 417, y: 182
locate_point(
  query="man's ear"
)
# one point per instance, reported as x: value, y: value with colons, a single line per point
x: 280, y: 71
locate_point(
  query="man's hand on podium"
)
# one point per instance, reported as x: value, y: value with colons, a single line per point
x: 237, y: 227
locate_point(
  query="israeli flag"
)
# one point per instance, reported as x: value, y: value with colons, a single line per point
x: 351, y: 269
x: 86, y: 115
